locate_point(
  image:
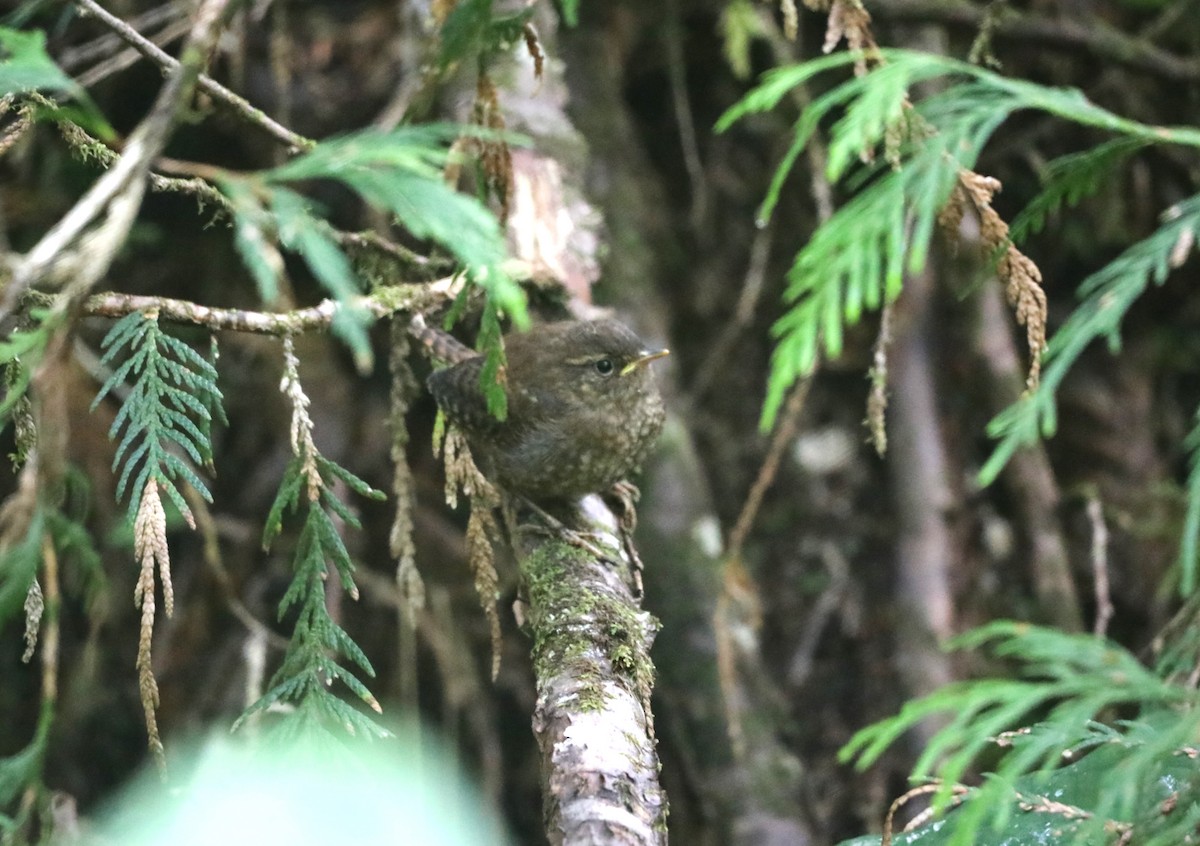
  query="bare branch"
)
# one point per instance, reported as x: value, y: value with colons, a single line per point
x: 205, y: 83
x: 1100, y: 39
x: 118, y: 193
x: 381, y: 303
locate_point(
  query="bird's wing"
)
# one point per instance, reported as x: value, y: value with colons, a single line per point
x: 457, y: 392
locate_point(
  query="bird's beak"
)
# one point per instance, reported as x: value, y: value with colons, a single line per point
x: 644, y: 358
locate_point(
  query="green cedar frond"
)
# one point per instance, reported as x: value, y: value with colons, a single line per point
x: 570, y: 12
x: 19, y: 562
x: 492, y: 347
x: 855, y: 262
x: 335, y: 471
x: 301, y: 232
x: 26, y: 66
x: 317, y: 642
x: 1070, y: 178
x: 285, y: 499
x: 157, y: 416
x: 399, y: 172
x: 1189, y: 544
x: 20, y: 352
x: 252, y: 236
x: 1107, y: 294
x: 342, y: 643
x: 17, y: 771
x: 857, y: 259
x: 472, y: 30
x: 1068, y: 680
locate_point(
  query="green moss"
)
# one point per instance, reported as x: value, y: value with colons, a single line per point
x: 560, y: 603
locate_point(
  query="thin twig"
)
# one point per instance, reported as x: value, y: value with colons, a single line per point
x: 717, y: 357
x: 877, y: 399
x: 207, y: 527
x: 788, y: 423
x: 1101, y: 40
x: 677, y: 74
x: 72, y: 59
x: 320, y: 317
x: 52, y: 599
x: 205, y: 83
x: 1104, y: 606
x: 173, y: 31
x: 117, y: 194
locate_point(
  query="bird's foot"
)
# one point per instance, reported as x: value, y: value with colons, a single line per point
x: 554, y: 527
x: 623, y: 497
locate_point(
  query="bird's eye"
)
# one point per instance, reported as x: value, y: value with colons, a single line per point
x: 605, y: 366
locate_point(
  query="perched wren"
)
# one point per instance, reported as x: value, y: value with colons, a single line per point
x: 583, y: 409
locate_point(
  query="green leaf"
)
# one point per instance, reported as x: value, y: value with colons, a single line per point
x: 19, y: 565
x: 1189, y: 543
x: 26, y: 66
x: 1068, y: 179
x: 570, y: 10
x: 492, y: 348
x: 462, y: 34
x: 252, y: 229
x: 299, y: 231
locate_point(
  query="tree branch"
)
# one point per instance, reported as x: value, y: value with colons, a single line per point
x: 1097, y: 37
x: 205, y: 83
x: 381, y: 303
x: 118, y: 193
x: 594, y: 675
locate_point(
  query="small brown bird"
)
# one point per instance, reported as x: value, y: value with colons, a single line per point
x: 583, y: 409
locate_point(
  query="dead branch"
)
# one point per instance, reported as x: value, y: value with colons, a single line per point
x: 205, y: 83
x: 1100, y: 39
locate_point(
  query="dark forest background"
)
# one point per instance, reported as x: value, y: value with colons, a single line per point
x: 786, y: 625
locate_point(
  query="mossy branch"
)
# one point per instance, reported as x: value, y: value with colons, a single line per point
x: 593, y: 722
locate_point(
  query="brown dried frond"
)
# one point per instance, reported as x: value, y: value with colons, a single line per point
x: 951, y: 215
x: 24, y: 430
x: 301, y: 431
x: 150, y: 540
x: 1022, y: 278
x: 16, y: 514
x: 534, y: 45
x: 460, y: 466
x: 482, y: 528
x: 494, y: 153
x: 1184, y: 244
x: 850, y: 20
x: 958, y: 792
x: 16, y: 131
x: 150, y: 547
x: 35, y: 605
x: 441, y: 9
x: 483, y: 531
x: 400, y: 538
x: 791, y: 19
